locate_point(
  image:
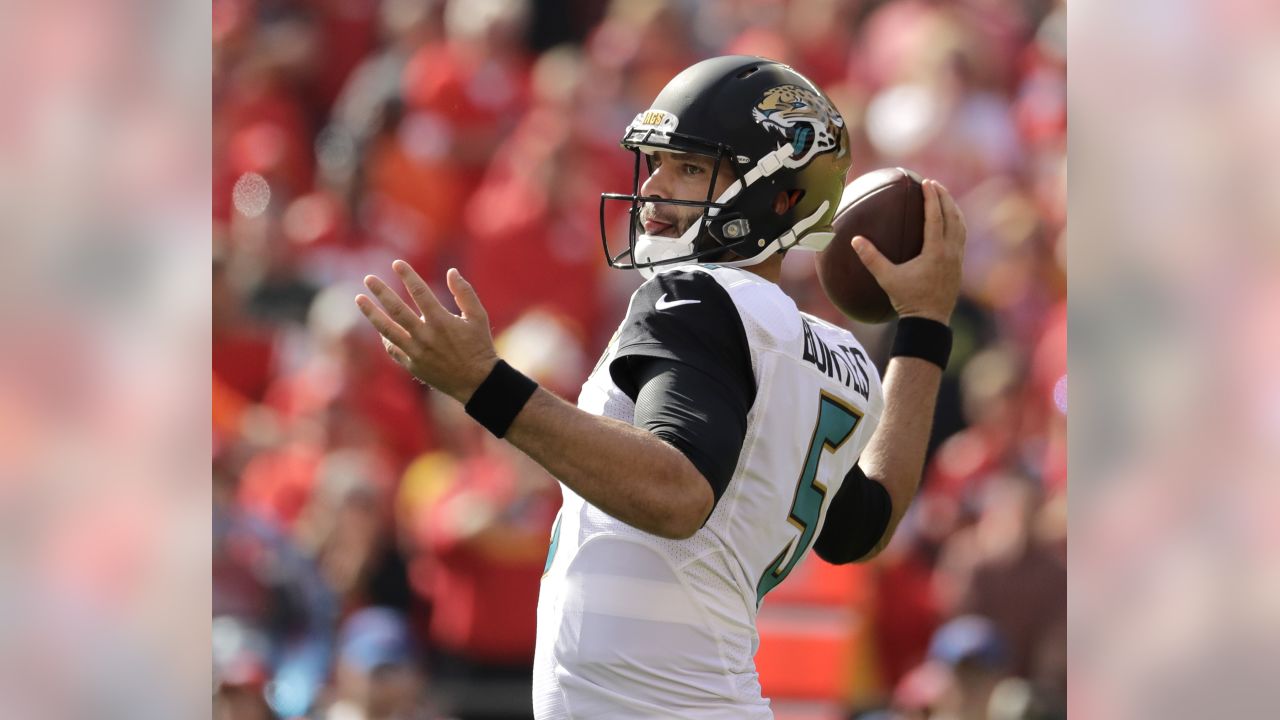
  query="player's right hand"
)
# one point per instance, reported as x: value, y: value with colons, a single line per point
x: 928, y: 284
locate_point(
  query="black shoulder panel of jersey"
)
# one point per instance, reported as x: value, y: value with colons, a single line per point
x: 686, y: 316
x: 857, y: 519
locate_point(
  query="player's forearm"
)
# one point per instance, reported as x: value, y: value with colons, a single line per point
x: 895, y: 455
x: 621, y: 469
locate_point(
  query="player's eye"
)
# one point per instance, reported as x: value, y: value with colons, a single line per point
x: 691, y: 169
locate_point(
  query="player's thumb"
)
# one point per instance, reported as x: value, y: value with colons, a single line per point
x: 870, y: 256
x: 465, y: 295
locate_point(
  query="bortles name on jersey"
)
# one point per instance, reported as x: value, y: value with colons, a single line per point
x: 774, y: 407
x: 849, y: 366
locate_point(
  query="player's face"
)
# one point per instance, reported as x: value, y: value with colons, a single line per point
x: 679, y: 176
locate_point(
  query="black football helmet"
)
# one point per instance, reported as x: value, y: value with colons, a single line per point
x: 776, y: 129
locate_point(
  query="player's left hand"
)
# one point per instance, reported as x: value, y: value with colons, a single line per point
x: 452, y: 353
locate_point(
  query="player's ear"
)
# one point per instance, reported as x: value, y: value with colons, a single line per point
x: 785, y: 200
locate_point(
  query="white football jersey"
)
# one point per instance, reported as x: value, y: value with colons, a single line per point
x: 632, y: 625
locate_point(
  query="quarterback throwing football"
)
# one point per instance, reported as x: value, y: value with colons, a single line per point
x: 724, y: 433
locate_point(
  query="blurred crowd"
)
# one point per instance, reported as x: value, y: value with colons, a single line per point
x: 376, y: 553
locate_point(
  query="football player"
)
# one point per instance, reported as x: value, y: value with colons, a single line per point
x: 723, y: 433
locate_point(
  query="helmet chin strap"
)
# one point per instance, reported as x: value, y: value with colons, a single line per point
x: 656, y: 248
x: 764, y: 167
x: 789, y: 239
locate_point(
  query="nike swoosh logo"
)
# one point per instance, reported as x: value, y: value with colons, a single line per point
x: 662, y: 303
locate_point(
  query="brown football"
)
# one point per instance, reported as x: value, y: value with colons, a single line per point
x: 885, y: 206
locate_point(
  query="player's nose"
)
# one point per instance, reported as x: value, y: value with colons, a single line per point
x: 655, y: 185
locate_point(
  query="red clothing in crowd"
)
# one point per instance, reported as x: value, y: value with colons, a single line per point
x: 268, y: 133
x: 276, y: 485
x: 907, y: 613
x: 1047, y: 402
x: 243, y: 359
x: 349, y: 29
x: 368, y: 401
x: 485, y: 580
x: 539, y: 208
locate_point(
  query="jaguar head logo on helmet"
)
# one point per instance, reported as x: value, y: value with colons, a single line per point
x: 803, y: 118
x: 774, y: 152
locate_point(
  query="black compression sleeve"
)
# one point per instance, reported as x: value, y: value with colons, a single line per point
x: 703, y: 419
x: 857, y: 519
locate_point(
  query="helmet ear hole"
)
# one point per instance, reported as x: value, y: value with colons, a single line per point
x: 787, y: 199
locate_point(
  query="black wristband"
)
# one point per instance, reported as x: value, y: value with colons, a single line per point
x: 500, y: 398
x: 922, y: 338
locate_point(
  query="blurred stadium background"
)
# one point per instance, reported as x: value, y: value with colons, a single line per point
x: 376, y: 555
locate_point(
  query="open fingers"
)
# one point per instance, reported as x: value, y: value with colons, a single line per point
x: 400, y: 356
x: 391, y: 302
x: 428, y: 304
x: 952, y: 218
x: 386, y: 327
x: 933, y: 222
x: 465, y: 295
